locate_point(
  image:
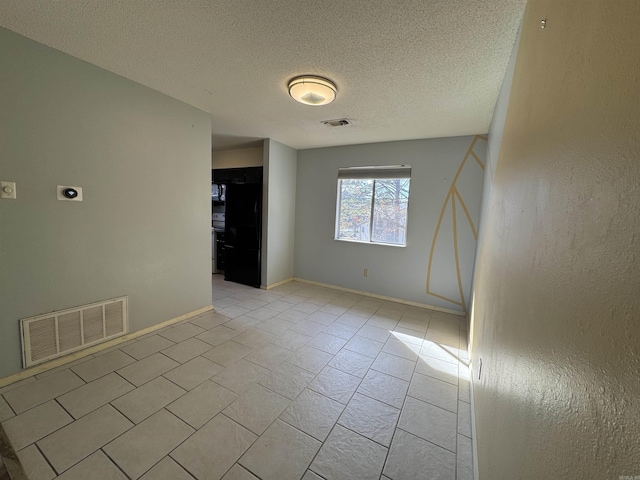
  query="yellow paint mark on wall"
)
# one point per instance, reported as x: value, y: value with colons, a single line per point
x: 452, y: 195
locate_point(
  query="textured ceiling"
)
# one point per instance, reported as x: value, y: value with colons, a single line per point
x: 404, y: 69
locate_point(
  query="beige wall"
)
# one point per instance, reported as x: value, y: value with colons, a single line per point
x: 556, y: 318
x: 237, y: 158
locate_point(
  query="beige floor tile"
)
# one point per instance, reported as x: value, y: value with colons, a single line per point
x: 193, y: 373
x: 214, y: 448
x: 306, y: 307
x: 227, y: 353
x: 281, y: 453
x: 254, y: 338
x: 98, y: 462
x: 309, y: 475
x: 240, y: 376
x: 187, y: 350
x: 416, y: 324
x: 393, y: 365
x: 349, y: 456
x: 147, y: 369
x: 335, y: 384
x: 429, y: 422
x: 233, y: 311
x: 433, y: 367
x: 411, y: 457
x: 310, y: 359
x: 218, y: 335
x: 209, y: 320
x: 292, y: 316
x: 18, y: 384
x: 351, y: 362
x: 360, y: 311
x: 374, y: 333
x: 324, y: 318
x: 439, y: 351
x: 146, y: 347
x: 181, y: 332
x: 313, y: 414
x: 148, y: 399
x: 354, y: 321
x: 34, y: 464
x: 251, y: 304
x: 336, y: 310
x: 291, y: 340
x: 274, y: 325
x: 263, y: 313
x: 364, y: 346
x: 401, y: 349
x: 268, y: 356
x: 34, y: 424
x: 307, y: 327
x: 202, y: 403
x: 100, y: 366
x: 66, y: 366
x: 385, y: 388
x: 36, y: 393
x: 371, y: 418
x: 327, y: 343
x: 242, y: 323
x: 5, y: 410
x: 78, y: 440
x: 95, y: 394
x: 167, y: 469
x: 406, y: 335
x: 239, y: 473
x: 464, y: 459
x: 287, y: 380
x: 464, y: 419
x: 434, y: 391
x: 137, y: 450
x: 257, y: 408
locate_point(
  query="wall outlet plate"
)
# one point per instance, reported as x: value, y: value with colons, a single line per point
x: 8, y: 190
x: 61, y: 189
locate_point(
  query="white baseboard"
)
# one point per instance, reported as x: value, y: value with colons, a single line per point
x: 29, y: 372
x: 382, y: 297
x: 276, y: 284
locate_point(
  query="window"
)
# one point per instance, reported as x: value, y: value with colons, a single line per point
x: 372, y: 204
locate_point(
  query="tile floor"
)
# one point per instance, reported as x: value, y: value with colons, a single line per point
x: 298, y: 382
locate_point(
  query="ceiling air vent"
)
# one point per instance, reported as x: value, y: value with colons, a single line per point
x: 340, y: 122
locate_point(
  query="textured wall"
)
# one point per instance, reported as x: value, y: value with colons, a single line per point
x: 557, y: 308
x: 143, y: 160
x: 438, y: 248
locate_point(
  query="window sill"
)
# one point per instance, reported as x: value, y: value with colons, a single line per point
x: 359, y: 242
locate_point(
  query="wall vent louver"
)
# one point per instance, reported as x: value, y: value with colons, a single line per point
x: 45, y: 337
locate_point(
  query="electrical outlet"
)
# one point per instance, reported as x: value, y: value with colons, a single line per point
x: 366, y: 272
x: 8, y: 190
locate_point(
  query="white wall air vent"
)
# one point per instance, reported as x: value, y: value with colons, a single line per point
x: 52, y: 335
x: 340, y: 122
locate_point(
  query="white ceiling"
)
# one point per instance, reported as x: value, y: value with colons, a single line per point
x: 404, y: 69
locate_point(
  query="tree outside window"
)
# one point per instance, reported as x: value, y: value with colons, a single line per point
x: 372, y: 208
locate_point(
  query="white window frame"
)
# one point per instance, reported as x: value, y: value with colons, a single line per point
x: 371, y: 173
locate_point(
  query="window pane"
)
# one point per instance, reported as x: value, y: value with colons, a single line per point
x: 355, y: 209
x: 390, y: 211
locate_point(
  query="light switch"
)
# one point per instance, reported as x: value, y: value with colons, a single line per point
x: 8, y: 190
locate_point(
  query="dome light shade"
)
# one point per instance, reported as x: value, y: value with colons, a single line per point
x: 312, y: 90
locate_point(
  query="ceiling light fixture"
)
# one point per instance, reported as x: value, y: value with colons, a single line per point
x: 312, y: 90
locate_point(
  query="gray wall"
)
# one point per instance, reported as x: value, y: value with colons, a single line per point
x: 555, y: 317
x: 280, y: 168
x: 394, y: 271
x: 144, y: 162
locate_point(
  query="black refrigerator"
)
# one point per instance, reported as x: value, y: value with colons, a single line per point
x: 243, y: 233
